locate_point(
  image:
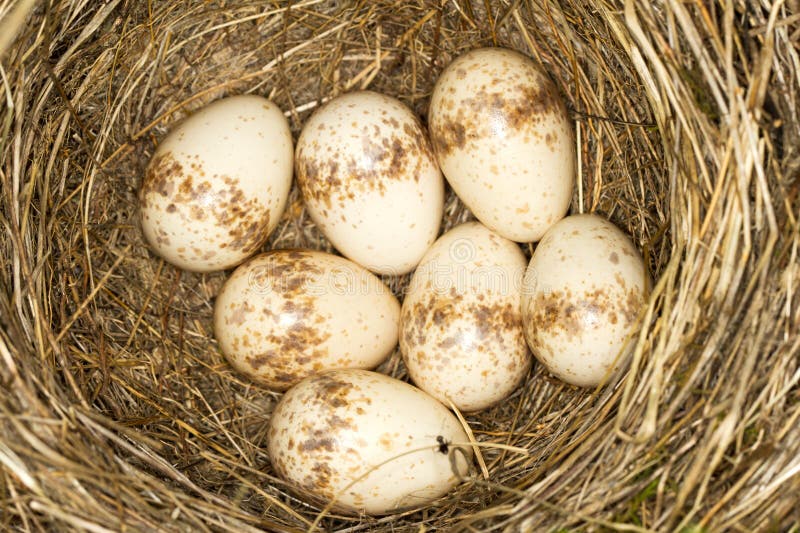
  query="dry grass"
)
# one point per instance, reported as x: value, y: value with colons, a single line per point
x: 117, y: 412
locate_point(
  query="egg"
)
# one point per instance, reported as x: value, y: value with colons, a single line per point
x: 503, y: 139
x: 583, y: 292
x: 369, y: 442
x: 370, y: 181
x: 217, y: 184
x: 461, y: 328
x: 286, y: 314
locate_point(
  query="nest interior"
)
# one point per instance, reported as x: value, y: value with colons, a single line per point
x: 117, y: 411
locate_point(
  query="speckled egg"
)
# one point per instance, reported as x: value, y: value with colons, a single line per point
x: 287, y: 314
x: 583, y: 292
x: 370, y: 181
x: 461, y: 328
x: 372, y: 443
x: 504, y: 141
x: 217, y: 184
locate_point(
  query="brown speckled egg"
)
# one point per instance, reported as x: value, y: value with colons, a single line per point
x: 460, y: 326
x: 504, y: 141
x: 217, y: 184
x: 583, y: 292
x: 372, y: 443
x: 287, y: 314
x: 370, y: 181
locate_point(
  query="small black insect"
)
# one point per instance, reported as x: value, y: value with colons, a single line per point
x: 444, y: 445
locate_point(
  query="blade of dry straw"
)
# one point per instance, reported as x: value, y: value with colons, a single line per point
x: 12, y: 24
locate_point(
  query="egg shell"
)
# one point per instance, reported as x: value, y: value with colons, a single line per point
x: 461, y: 328
x: 504, y: 141
x: 583, y: 292
x: 366, y: 440
x: 217, y: 184
x: 370, y: 181
x: 287, y: 314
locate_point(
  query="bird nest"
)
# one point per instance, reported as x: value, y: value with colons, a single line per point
x: 117, y: 410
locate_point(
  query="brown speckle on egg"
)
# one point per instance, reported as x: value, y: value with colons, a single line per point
x: 465, y: 343
x: 336, y: 435
x: 279, y: 317
x: 367, y: 174
x: 493, y: 112
x: 218, y: 199
x: 583, y: 293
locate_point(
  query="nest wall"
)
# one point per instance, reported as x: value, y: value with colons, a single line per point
x: 117, y: 411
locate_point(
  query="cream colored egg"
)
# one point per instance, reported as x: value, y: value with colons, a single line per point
x: 369, y: 442
x: 287, y: 314
x: 583, y: 292
x: 504, y: 141
x: 370, y: 181
x: 461, y: 328
x: 217, y: 184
